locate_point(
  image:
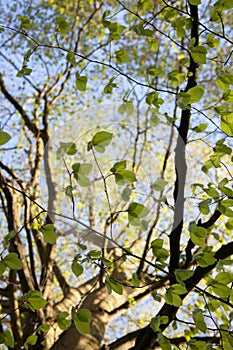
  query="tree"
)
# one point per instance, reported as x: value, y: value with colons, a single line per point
x: 116, y: 218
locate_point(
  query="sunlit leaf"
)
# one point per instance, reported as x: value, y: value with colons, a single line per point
x: 82, y: 319
x: 62, y: 25
x: 13, y: 262
x: 62, y: 322
x: 76, y: 268
x: 81, y: 82
x: 33, y: 300
x: 114, y: 285
x: 198, y: 54
x: 227, y: 124
x: 4, y: 137
x: 196, y: 93
x: 49, y: 234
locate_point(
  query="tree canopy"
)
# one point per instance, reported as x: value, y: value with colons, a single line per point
x: 116, y: 175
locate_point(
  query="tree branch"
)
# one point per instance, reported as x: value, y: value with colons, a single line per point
x: 180, y: 162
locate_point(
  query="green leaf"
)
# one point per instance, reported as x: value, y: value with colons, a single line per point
x: 155, y: 323
x: 153, y: 44
x: 135, y: 280
x: 24, y: 72
x: 118, y: 166
x: 221, y: 148
x: 153, y: 98
x: 71, y: 58
x: 205, y: 259
x: 115, y: 29
x: 121, y: 56
x: 13, y: 262
x: 123, y: 177
x: 227, y: 124
x: 226, y: 4
x: 198, y: 54
x: 224, y: 277
x: 196, y: 93
x: 159, y: 184
x: 221, y: 289
x: 183, y: 100
x: 109, y: 87
x: 164, y: 342
x: 62, y: 25
x: 145, y: 5
x: 155, y: 296
x: 212, y: 192
x: 8, y: 338
x: 25, y: 22
x: 228, y: 96
x: 226, y: 190
x: 31, y: 340
x: 114, y: 285
x: 229, y: 224
x: 136, y: 211
x: 43, y: 328
x: 176, y: 77
x: 200, y: 128
x: 80, y: 171
x: 155, y: 72
x: 63, y: 324
x: 7, y: 238
x: 183, y: 275
x: 81, y: 246
x: 49, y: 234
x: 94, y: 254
x: 178, y: 289
x: 197, y: 345
x: 33, y: 300
x: 108, y: 286
x: 224, y: 207
x: 81, y: 82
x: 197, y: 234
x: 4, y: 137
x: 212, y: 41
x: 126, y: 108
x: 195, y: 2
x: 106, y: 262
x: 172, y: 295
x: 158, y: 251
x: 199, y: 320
x: 2, y: 267
x: 204, y: 206
x: 173, y: 299
x: 154, y: 119
x: 68, y: 148
x: 68, y: 191
x: 207, y: 166
x: 102, y: 139
x: 224, y: 80
x: 125, y: 195
x: 76, y: 268
x: 82, y: 319
x: 141, y: 31
x: 82, y: 180
x: 157, y: 243
x: 144, y: 225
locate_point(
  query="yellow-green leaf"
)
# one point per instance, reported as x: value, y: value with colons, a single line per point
x: 227, y: 124
x: 4, y: 137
